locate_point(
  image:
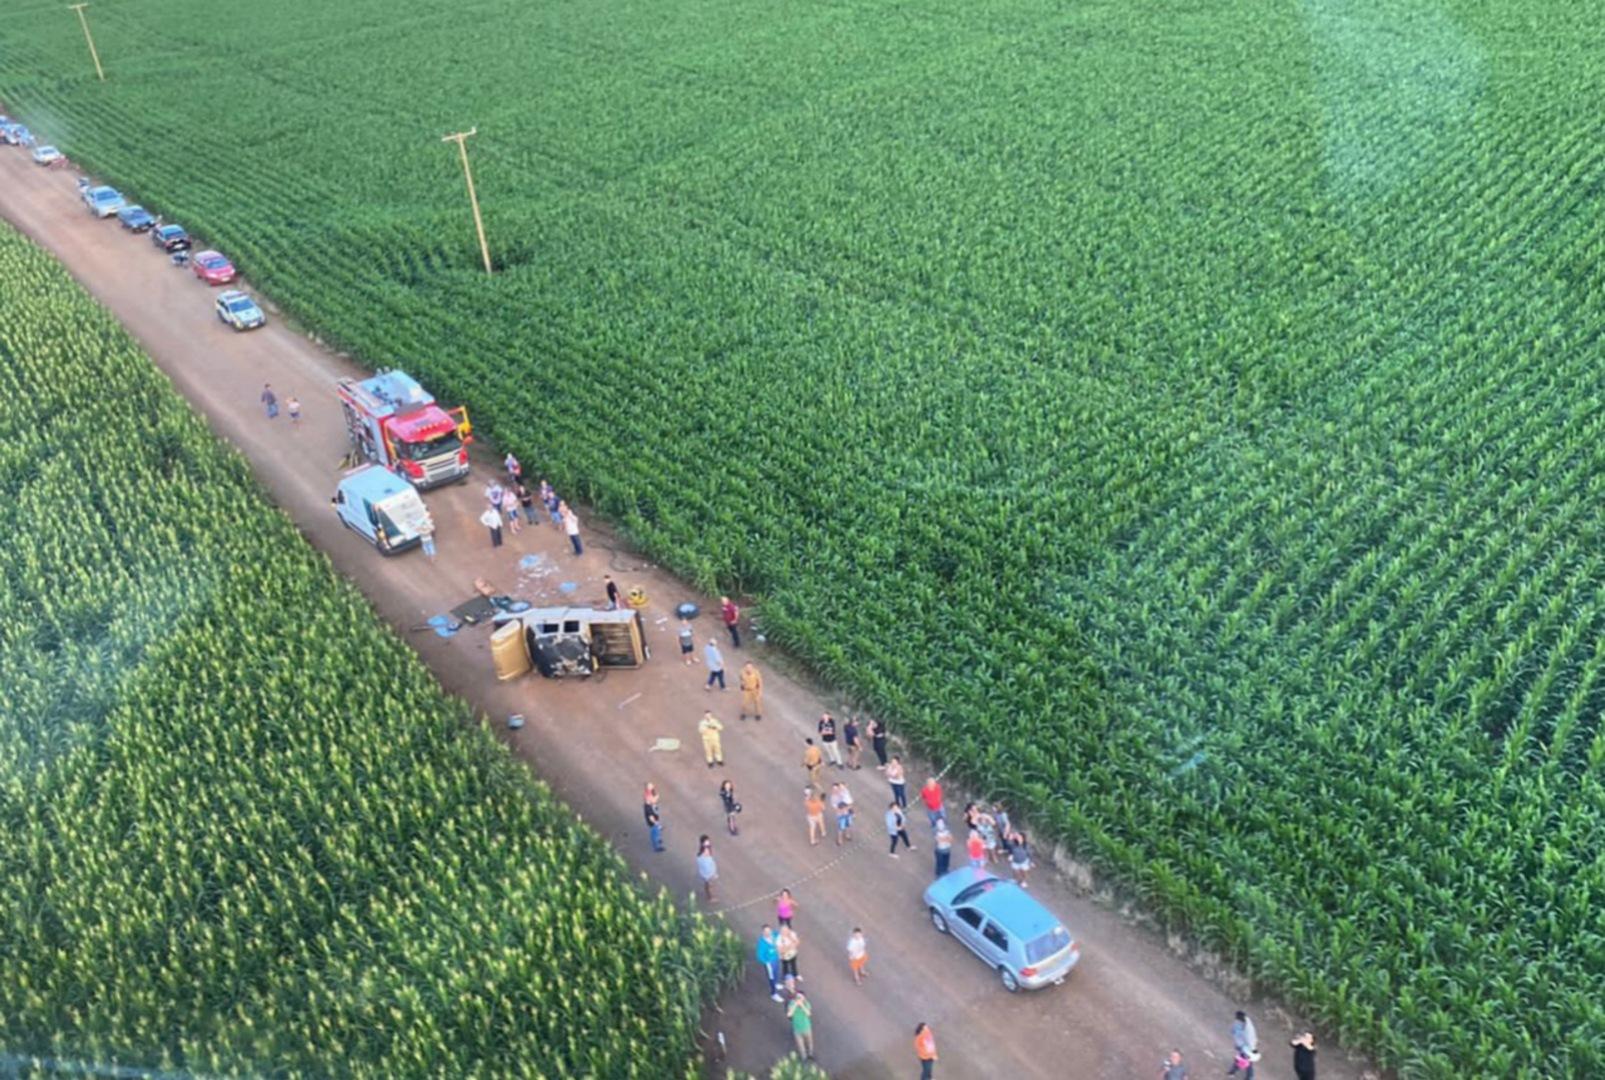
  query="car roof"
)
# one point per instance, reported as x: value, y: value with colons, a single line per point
x: 170, y: 229
x: 228, y: 296
x: 1015, y: 909
x: 103, y: 190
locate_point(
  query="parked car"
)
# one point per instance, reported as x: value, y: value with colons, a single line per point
x: 1005, y: 926
x: 46, y: 155
x: 238, y: 310
x: 103, y: 201
x: 135, y: 218
x: 212, y: 268
x: 14, y: 134
x: 170, y: 238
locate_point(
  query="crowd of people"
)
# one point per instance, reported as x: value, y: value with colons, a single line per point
x: 512, y: 504
x: 992, y: 840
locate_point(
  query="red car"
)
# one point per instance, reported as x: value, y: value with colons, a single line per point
x: 213, y: 268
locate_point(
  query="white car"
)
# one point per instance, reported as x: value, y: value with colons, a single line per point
x: 103, y: 201
x: 238, y: 310
x: 46, y: 155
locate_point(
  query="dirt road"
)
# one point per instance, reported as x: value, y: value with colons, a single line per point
x: 1127, y: 1004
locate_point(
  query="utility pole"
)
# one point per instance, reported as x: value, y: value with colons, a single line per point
x: 83, y: 20
x: 461, y: 139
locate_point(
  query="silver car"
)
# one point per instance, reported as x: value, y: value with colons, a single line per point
x: 1005, y: 926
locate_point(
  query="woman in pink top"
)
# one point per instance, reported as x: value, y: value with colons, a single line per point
x: 785, y: 908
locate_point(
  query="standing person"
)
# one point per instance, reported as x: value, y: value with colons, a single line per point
x: 492, y: 520
x: 786, y: 944
x: 688, y: 643
x: 510, y: 508
x: 827, y: 739
x: 944, y: 847
x: 802, y: 1024
x: 925, y: 1050
x: 494, y: 493
x: 980, y: 821
x: 715, y: 661
x: 427, y: 539
x: 858, y: 955
x: 731, y: 614
x: 727, y: 796
x: 785, y: 908
x: 527, y: 502
x: 515, y: 471
x: 1002, y: 828
x: 975, y: 847
x: 707, y: 869
x: 612, y: 592
x: 571, y: 526
x: 751, y: 691
x: 1303, y: 1055
x: 270, y: 401
x: 931, y: 796
x: 1172, y: 1068
x: 894, y: 777
x: 554, y: 505
x: 293, y: 404
x: 850, y: 739
x: 812, y: 761
x: 841, y: 800
x: 654, y: 820
x: 1245, y: 1041
x: 712, y: 748
x: 877, y: 740
x: 769, y: 956
x: 814, y: 806
x: 1020, y: 858
x: 897, y: 828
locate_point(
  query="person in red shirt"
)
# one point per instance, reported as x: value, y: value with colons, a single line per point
x: 931, y: 794
x: 925, y: 1050
x: 976, y: 847
x: 732, y: 618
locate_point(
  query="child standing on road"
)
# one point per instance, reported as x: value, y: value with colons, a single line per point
x: 293, y: 404
x: 858, y: 955
x: 427, y: 539
x: 707, y: 869
x: 944, y: 847
x: 841, y: 800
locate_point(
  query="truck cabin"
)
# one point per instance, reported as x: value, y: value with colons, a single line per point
x: 423, y: 435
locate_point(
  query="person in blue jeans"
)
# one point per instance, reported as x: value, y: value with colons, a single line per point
x: 769, y: 956
x: 270, y: 400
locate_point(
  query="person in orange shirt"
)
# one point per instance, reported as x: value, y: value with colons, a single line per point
x: 925, y: 1050
x: 816, y: 815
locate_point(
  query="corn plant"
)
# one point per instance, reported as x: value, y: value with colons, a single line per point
x: 245, y: 833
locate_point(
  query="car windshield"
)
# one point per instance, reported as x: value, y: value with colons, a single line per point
x: 418, y: 451
x: 105, y: 196
x: 1054, y: 941
x: 213, y: 262
x: 240, y: 306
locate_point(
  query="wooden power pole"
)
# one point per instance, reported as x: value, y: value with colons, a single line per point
x: 83, y: 20
x: 461, y: 139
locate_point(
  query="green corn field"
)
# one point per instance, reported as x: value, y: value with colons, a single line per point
x: 1182, y: 419
x: 242, y: 831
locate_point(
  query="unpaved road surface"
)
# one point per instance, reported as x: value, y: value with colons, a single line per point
x: 1126, y: 1005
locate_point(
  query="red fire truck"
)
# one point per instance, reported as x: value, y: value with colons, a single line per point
x: 392, y: 420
